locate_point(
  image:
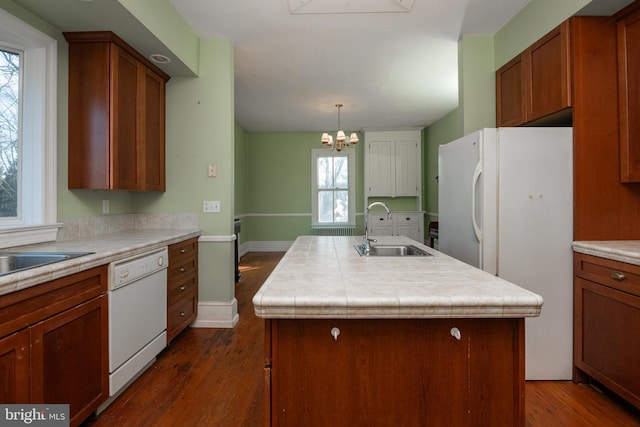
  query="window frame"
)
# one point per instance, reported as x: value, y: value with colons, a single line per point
x: 351, y: 162
x: 38, y: 162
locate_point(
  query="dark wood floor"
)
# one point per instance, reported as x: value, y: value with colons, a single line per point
x: 213, y: 377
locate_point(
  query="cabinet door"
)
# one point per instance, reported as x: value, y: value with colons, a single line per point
x: 153, y: 128
x: 549, y: 74
x: 406, y: 168
x: 125, y: 110
x: 629, y: 97
x: 511, y: 89
x: 607, y: 325
x: 69, y: 360
x: 14, y: 368
x: 374, y: 373
x: 380, y: 168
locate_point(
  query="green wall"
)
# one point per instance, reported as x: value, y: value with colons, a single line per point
x: 278, y: 198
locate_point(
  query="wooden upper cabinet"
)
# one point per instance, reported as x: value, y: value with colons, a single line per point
x: 116, y: 115
x: 511, y: 93
x: 629, y: 96
x: 537, y: 83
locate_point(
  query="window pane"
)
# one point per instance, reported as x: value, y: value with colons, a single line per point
x: 9, y: 135
x: 341, y: 172
x: 341, y: 208
x: 325, y: 206
x: 325, y: 172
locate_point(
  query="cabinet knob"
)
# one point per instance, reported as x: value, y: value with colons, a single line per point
x: 182, y: 314
x: 617, y: 275
x: 182, y: 269
x: 455, y: 332
x: 183, y: 250
x: 335, y: 332
x: 182, y: 288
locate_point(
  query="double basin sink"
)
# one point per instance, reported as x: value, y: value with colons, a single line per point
x: 11, y: 262
x: 392, y: 250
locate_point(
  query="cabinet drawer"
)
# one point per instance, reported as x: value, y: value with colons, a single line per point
x: 181, y: 314
x: 177, y: 289
x: 179, y: 270
x: 183, y: 250
x: 407, y: 219
x: 379, y: 218
x: 615, y: 274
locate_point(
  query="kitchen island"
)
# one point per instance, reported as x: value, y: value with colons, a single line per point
x: 381, y: 341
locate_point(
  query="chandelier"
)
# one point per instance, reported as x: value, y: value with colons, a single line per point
x: 342, y: 141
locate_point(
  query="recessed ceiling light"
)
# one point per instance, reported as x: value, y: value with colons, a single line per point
x: 159, y: 58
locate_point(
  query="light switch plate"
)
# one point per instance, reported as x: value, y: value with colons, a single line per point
x: 212, y: 170
x: 211, y: 206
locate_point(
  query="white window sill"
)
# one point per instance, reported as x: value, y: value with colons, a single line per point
x: 28, y: 235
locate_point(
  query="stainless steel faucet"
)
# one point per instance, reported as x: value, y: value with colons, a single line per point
x: 366, y: 241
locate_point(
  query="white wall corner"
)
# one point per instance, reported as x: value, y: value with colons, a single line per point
x: 215, y: 314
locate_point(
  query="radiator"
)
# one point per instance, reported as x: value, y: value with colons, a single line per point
x: 333, y: 231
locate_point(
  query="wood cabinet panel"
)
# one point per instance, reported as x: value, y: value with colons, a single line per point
x: 182, y: 286
x: 604, y: 209
x: 55, y: 347
x: 550, y: 77
x: 606, y: 322
x: 395, y: 372
x: 628, y: 29
x: 536, y: 84
x: 69, y: 359
x: 116, y: 128
x: 511, y: 93
x: 14, y: 368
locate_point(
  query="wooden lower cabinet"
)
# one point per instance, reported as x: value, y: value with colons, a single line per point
x: 54, y: 346
x: 14, y: 368
x: 182, y: 286
x: 606, y: 325
x: 395, y: 372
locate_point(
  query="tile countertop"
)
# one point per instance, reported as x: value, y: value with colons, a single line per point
x: 324, y: 277
x: 107, y: 248
x: 617, y: 250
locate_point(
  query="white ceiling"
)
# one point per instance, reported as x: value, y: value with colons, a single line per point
x: 392, y: 64
x: 389, y: 69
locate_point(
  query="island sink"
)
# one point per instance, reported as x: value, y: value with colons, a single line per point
x: 392, y: 250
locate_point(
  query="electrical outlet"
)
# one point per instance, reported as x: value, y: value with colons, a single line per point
x: 212, y: 171
x: 105, y: 206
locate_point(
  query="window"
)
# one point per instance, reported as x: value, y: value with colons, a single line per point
x: 28, y: 87
x: 333, y: 188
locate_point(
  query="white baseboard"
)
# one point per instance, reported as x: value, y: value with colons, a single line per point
x: 215, y: 314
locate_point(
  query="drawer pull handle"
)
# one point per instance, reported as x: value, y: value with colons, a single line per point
x: 182, y: 288
x: 335, y: 332
x: 617, y: 275
x: 183, y: 250
x: 182, y: 314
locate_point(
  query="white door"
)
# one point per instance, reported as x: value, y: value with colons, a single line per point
x: 458, y: 162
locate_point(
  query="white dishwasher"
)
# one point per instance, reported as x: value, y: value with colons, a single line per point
x: 137, y: 315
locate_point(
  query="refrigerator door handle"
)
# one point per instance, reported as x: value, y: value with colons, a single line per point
x: 476, y: 177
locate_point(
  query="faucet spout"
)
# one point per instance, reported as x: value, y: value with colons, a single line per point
x: 366, y: 241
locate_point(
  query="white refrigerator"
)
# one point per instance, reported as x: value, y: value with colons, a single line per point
x: 505, y: 205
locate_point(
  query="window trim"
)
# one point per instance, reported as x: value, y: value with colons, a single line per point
x: 39, y: 115
x: 351, y: 161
